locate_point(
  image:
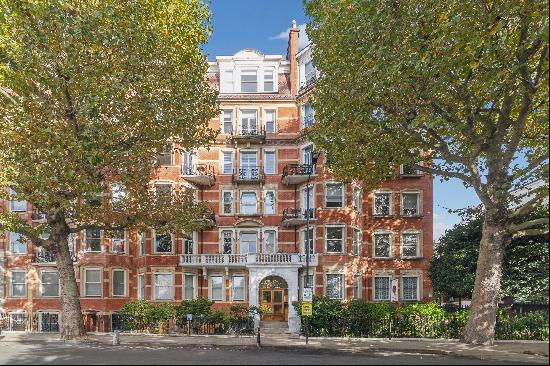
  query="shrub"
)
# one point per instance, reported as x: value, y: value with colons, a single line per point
x: 141, y: 315
x: 201, y: 308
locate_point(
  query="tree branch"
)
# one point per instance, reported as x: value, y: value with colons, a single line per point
x: 530, y: 232
x: 529, y: 224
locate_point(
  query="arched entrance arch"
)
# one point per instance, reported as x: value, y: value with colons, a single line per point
x: 274, y: 298
x: 289, y: 273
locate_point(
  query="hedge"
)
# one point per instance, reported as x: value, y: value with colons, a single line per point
x: 358, y: 318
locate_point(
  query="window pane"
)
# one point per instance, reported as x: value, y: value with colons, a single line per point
x: 18, y: 284
x: 18, y: 243
x: 163, y: 243
x: 189, y: 291
x: 217, y: 288
x: 269, y: 203
x: 269, y: 245
x: 93, y: 276
x: 334, y: 195
x: 410, y: 204
x: 227, y: 237
x: 118, y: 283
x: 50, y: 283
x: 270, y: 121
x: 188, y: 246
x: 357, y: 242
x: 381, y: 288
x: 227, y: 202
x: 308, y: 281
x: 248, y: 203
x: 238, y: 288
x: 382, y: 245
x: 248, y: 242
x: 270, y: 162
x: 141, y: 284
x: 307, y: 238
x: 249, y: 83
x: 410, y: 245
x: 382, y: 204
x: 410, y: 288
x: 227, y: 162
x: 357, y: 198
x: 163, y: 286
x: 268, y: 80
x: 335, y: 239
x: 165, y: 158
x: 227, y: 121
x: 357, y: 286
x: 93, y: 240
x: 334, y: 286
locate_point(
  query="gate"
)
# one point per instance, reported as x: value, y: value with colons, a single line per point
x: 116, y: 322
x: 18, y: 322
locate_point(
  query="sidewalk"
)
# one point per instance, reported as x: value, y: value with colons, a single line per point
x: 516, y: 351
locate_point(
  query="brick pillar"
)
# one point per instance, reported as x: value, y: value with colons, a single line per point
x: 291, y: 52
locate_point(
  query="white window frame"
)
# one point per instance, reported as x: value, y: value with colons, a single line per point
x: 274, y: 171
x: 343, y: 240
x: 12, y: 243
x: 224, y: 203
x: 418, y: 203
x: 374, y: 204
x: 382, y: 232
x: 124, y: 243
x: 357, y: 197
x: 85, y: 282
x: 264, y: 237
x: 125, y: 277
x: 248, y: 231
x: 227, y: 81
x: 171, y: 154
x: 141, y: 286
x: 303, y: 280
x: 142, y: 243
x: 342, y: 189
x: 418, y: 233
x: 246, y: 113
x: 85, y: 241
x: 194, y: 285
x: 154, y: 240
x: 118, y: 195
x: 257, y: 82
x: 342, y: 285
x: 303, y: 240
x: 357, y: 287
x: 14, y: 203
x: 265, y: 72
x: 389, y: 277
x: 24, y: 284
x: 273, y: 112
x: 256, y: 212
x: 357, y: 245
x: 211, y: 287
x: 193, y: 241
x: 223, y: 165
x: 403, y: 287
x: 42, y: 284
x: 172, y: 290
x: 274, y: 202
x: 233, y: 240
x: 223, y: 121
x: 239, y: 275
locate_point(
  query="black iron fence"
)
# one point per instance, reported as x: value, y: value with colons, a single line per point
x: 297, y: 169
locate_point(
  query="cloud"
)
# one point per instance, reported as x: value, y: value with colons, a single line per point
x: 303, y: 40
x: 440, y: 225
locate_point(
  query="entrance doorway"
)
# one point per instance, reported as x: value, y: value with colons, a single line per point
x: 274, y: 296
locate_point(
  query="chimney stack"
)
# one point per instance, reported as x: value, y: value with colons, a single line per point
x: 291, y: 52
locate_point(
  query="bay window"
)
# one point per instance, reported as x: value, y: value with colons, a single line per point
x: 334, y: 195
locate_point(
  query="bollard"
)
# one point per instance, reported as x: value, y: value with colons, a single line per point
x: 116, y: 338
x: 258, y: 340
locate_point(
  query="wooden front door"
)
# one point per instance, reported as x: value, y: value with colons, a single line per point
x: 276, y: 299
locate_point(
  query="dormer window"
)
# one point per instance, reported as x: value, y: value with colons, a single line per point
x: 249, y: 81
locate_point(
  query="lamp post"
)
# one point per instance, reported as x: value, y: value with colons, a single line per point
x: 314, y: 158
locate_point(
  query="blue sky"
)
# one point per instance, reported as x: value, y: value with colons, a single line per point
x: 263, y: 25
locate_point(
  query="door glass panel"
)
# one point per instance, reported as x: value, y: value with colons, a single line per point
x: 266, y: 296
x: 278, y: 308
x: 277, y: 296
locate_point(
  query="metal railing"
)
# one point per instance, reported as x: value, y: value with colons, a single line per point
x: 298, y: 214
x: 241, y: 260
x: 297, y: 169
x: 249, y: 132
x: 43, y: 256
x: 198, y: 169
x: 251, y: 173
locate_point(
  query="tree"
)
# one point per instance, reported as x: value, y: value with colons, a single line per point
x: 91, y: 93
x: 455, y: 89
x: 525, y: 269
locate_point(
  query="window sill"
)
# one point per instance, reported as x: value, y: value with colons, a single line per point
x: 334, y: 253
x: 412, y: 216
x: 165, y: 254
x: 383, y: 216
x: 92, y: 252
x: 383, y: 258
x: 412, y: 258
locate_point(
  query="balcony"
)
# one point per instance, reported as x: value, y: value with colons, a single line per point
x: 410, y: 171
x: 297, y: 173
x: 253, y: 135
x: 43, y: 257
x: 251, y: 174
x: 200, y: 174
x: 246, y: 260
x: 297, y: 216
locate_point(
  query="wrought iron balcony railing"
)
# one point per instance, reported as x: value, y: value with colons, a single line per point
x: 202, y: 174
x: 248, y: 133
x: 297, y: 169
x: 249, y: 174
x: 298, y: 214
x: 43, y: 256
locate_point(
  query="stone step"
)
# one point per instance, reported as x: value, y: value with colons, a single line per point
x: 274, y: 325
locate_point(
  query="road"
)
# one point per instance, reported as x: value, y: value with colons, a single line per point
x: 92, y: 354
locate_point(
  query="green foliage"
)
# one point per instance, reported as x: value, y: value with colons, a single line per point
x: 526, y: 261
x: 358, y: 318
x: 142, y: 316
x: 200, y: 308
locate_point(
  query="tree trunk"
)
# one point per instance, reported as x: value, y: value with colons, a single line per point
x: 71, y: 320
x: 480, y: 328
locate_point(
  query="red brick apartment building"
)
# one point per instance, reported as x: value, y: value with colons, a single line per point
x: 255, y: 178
